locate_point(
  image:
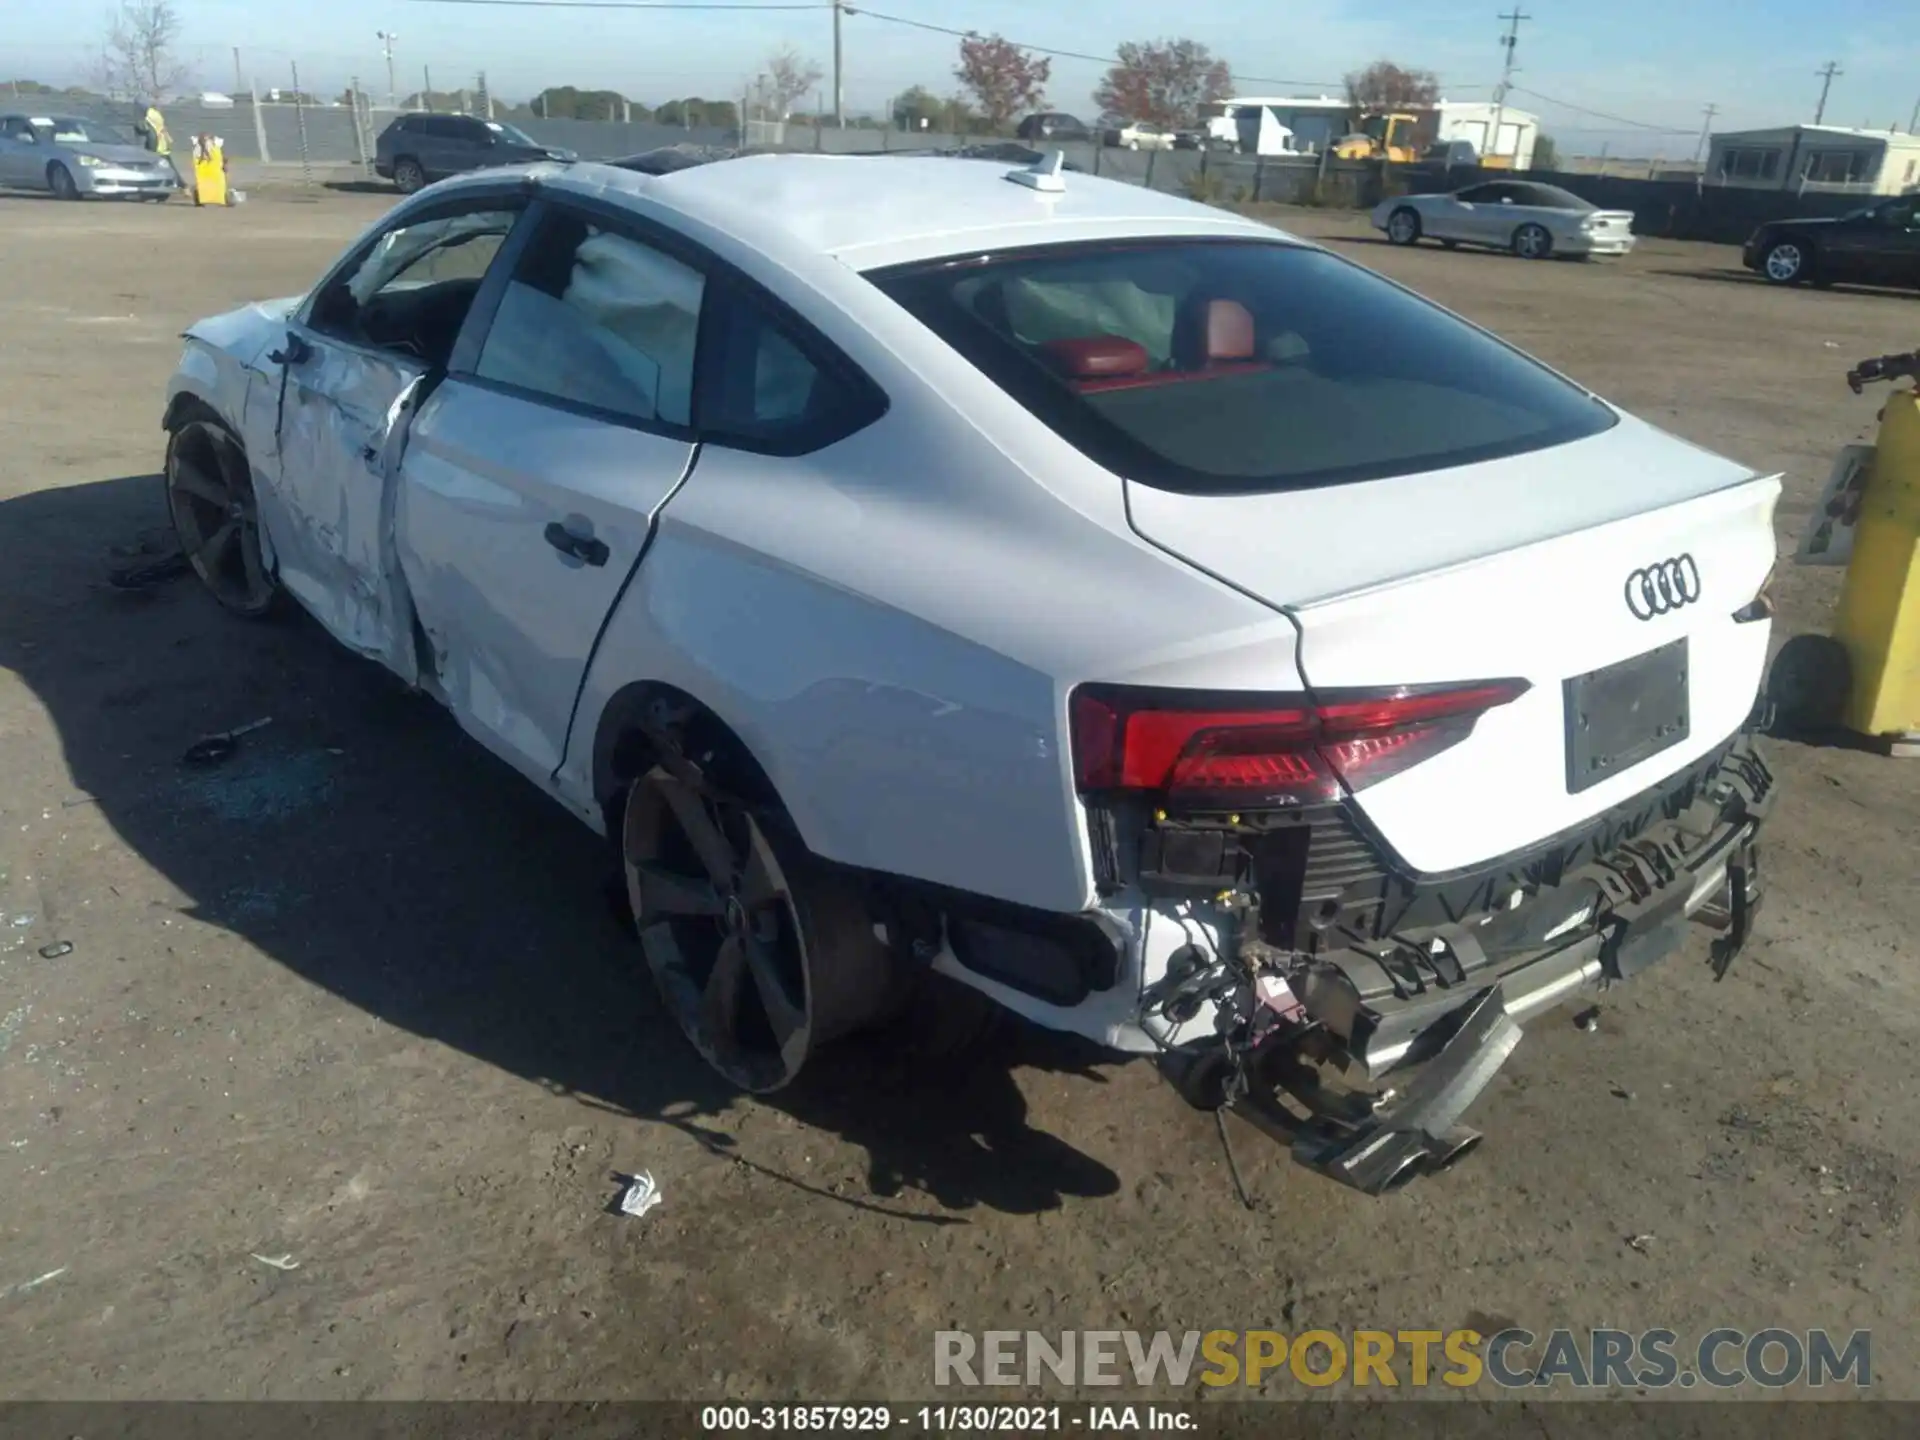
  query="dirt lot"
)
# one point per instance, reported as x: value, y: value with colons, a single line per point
x: 357, y: 998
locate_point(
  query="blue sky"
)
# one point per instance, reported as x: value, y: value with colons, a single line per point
x: 1657, y: 63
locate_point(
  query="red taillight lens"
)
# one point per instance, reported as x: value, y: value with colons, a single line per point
x: 1243, y: 751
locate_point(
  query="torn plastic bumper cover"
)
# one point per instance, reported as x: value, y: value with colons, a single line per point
x: 1605, y: 924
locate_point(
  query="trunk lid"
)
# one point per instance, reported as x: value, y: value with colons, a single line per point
x: 1517, y: 568
x: 1610, y: 223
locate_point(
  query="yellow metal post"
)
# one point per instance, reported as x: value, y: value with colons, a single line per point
x: 1879, y: 616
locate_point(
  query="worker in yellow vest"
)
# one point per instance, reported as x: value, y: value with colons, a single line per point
x: 153, y: 130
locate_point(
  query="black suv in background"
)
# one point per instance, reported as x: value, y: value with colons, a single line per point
x: 1053, y: 125
x: 1877, y: 245
x: 416, y: 150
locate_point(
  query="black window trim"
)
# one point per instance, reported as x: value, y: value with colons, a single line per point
x: 1105, y: 445
x: 514, y: 195
x: 723, y: 287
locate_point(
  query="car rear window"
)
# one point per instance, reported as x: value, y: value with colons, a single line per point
x: 1554, y: 198
x: 1229, y: 367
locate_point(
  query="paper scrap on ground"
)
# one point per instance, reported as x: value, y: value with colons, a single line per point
x: 640, y: 1196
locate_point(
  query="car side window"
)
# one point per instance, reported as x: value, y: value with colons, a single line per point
x: 410, y: 290
x: 595, y: 317
x: 768, y: 388
x: 1476, y: 194
x: 14, y: 128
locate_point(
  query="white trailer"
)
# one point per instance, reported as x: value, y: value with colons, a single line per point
x: 1474, y: 122
x: 1276, y: 125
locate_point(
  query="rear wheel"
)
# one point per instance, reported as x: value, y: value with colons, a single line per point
x: 60, y: 181
x: 761, y: 952
x: 1532, y: 242
x: 1787, y: 262
x: 1403, y: 226
x: 407, y: 175
x: 210, y: 497
x: 1808, y: 682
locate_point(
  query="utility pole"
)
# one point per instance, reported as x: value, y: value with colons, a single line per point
x: 238, y: 83
x: 1706, y: 132
x: 426, y: 94
x: 1508, y: 42
x: 1913, y: 121
x: 386, y: 38
x: 1826, y: 73
x: 839, y: 90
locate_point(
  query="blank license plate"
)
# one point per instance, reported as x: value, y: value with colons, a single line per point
x: 1622, y: 714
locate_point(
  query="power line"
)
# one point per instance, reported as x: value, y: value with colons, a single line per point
x: 1603, y: 115
x: 633, y: 4
x: 1069, y: 54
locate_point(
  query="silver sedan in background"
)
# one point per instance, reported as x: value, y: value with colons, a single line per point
x: 76, y: 158
x: 1533, y: 221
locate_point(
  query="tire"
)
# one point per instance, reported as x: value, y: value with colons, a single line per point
x: 761, y: 952
x: 1403, y: 226
x: 60, y: 181
x: 1133, y: 144
x: 407, y: 175
x: 211, y: 503
x: 1787, y: 262
x: 1532, y: 242
x: 1808, y: 683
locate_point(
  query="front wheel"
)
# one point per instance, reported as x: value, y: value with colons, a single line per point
x: 60, y: 181
x: 210, y: 498
x: 761, y: 952
x: 408, y: 176
x: 1787, y: 262
x: 1403, y: 226
x: 1532, y: 242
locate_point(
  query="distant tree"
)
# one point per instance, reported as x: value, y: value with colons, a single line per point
x: 441, y: 102
x: 565, y: 102
x: 789, y: 76
x: 27, y: 87
x: 1384, y: 85
x: 1546, y: 154
x: 137, y: 59
x: 1165, y: 81
x: 693, y: 111
x: 915, y: 105
x: 1004, y: 79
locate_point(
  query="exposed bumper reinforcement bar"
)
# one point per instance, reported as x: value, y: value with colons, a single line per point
x: 1375, y: 1148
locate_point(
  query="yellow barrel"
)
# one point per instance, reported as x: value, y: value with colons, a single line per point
x: 1879, y: 618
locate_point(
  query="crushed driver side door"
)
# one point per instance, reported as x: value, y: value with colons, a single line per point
x: 357, y: 358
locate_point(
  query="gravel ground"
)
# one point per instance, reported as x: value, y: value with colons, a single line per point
x: 357, y: 999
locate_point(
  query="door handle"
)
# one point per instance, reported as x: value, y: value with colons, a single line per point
x: 580, y: 547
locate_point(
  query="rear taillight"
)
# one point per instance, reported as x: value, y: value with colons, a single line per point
x: 1207, y: 750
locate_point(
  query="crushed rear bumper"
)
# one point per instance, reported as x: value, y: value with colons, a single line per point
x: 1445, y: 1015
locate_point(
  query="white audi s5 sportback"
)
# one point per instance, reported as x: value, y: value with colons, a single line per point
x: 1164, y: 626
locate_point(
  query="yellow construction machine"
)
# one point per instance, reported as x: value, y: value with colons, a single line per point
x: 1385, y: 135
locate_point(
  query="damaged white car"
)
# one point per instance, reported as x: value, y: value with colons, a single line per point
x: 1168, y: 628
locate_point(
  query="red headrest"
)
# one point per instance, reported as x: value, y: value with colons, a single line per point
x: 1229, y: 331
x: 1097, y: 357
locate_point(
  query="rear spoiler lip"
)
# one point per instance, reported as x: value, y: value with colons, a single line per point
x: 1297, y: 608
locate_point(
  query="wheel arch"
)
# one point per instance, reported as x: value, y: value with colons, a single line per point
x: 638, y: 728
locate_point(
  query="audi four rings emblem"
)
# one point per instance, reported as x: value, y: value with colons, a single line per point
x: 1663, y: 587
